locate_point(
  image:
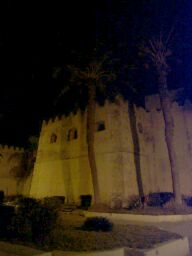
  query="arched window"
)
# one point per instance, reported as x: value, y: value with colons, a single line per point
x: 100, y: 126
x: 72, y: 134
x: 75, y: 134
x: 53, y: 138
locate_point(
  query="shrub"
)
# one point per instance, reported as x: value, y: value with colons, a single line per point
x: 43, y: 221
x: 187, y: 200
x: 85, y: 201
x: 13, y: 198
x: 6, y: 215
x: 2, y: 196
x: 53, y: 202
x: 159, y: 198
x: 27, y: 206
x: 97, y: 224
x: 20, y: 228
x: 33, y: 221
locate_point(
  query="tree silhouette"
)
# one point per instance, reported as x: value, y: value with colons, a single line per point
x: 158, y: 51
x: 90, y: 79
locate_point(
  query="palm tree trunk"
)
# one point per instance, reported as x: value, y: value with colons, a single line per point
x: 136, y: 148
x: 169, y: 133
x: 90, y: 140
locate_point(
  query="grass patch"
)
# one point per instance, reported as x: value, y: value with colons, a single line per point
x: 161, y: 211
x: 18, y: 249
x: 69, y: 237
x: 130, y: 235
x: 150, y: 211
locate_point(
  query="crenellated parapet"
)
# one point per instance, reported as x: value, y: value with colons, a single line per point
x: 53, y: 120
x: 11, y: 149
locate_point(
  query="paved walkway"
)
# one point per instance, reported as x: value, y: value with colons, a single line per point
x: 6, y: 254
x: 182, y: 228
x: 10, y: 249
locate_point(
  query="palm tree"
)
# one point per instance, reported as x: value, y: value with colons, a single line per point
x: 136, y: 147
x: 131, y: 92
x: 158, y: 51
x: 24, y: 161
x: 91, y: 79
x: 19, y: 170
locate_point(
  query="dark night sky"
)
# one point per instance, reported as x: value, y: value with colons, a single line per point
x: 36, y: 36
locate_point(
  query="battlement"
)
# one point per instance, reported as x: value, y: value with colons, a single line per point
x: 59, y: 118
x: 53, y: 120
x: 11, y: 149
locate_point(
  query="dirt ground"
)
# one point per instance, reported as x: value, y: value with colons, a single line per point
x: 69, y: 236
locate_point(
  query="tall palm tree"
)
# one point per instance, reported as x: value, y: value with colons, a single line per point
x: 136, y: 147
x: 131, y: 92
x: 158, y: 51
x: 91, y: 79
x: 24, y: 161
x: 19, y: 171
x: 134, y: 96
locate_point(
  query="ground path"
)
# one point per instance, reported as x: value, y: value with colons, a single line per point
x: 183, y: 228
x: 6, y: 254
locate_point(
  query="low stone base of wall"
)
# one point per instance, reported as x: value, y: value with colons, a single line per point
x: 178, y: 247
x: 114, y: 252
x: 140, y: 218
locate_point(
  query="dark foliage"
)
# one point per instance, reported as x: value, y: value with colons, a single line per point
x: 159, y: 198
x: 26, y: 206
x: 187, y: 200
x: 97, y: 224
x: 134, y: 202
x: 85, y: 201
x: 20, y: 228
x: 32, y: 221
x: 6, y: 215
x: 13, y: 198
x: 53, y: 202
x: 2, y: 196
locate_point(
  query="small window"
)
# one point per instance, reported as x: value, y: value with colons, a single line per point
x: 53, y: 138
x: 75, y: 134
x: 69, y: 135
x: 72, y: 134
x: 100, y: 126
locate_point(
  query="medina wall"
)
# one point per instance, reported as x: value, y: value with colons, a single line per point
x: 160, y: 166
x: 62, y: 166
x: 10, y: 157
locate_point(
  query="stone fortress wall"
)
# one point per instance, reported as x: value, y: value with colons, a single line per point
x: 159, y: 161
x: 9, y: 158
x: 62, y: 166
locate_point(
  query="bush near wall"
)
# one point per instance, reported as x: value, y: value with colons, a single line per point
x: 6, y: 215
x: 133, y: 202
x: 158, y: 198
x: 187, y: 200
x: 53, y: 202
x: 12, y: 198
x: 2, y: 196
x: 97, y: 224
x: 32, y: 221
